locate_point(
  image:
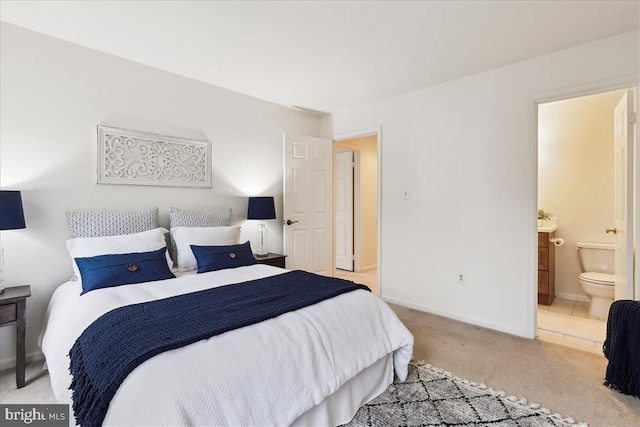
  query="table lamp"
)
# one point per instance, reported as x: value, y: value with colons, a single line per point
x: 261, y: 208
x: 11, y: 218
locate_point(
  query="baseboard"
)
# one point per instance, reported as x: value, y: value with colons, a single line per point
x: 31, y: 357
x: 572, y: 297
x: 368, y: 268
x: 466, y: 319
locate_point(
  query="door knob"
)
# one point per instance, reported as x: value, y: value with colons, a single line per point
x: 612, y: 230
x: 289, y: 222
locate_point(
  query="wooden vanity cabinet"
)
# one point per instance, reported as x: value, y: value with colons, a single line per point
x: 546, y: 268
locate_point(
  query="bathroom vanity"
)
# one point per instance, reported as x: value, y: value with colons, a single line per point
x: 546, y: 265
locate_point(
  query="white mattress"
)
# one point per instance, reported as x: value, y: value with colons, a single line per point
x: 271, y: 373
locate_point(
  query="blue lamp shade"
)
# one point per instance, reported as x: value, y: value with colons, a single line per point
x: 261, y: 208
x: 11, y: 214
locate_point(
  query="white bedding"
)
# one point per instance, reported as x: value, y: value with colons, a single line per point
x: 269, y: 373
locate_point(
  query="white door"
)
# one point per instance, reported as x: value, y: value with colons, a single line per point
x: 308, y: 203
x: 344, y: 210
x: 623, y: 151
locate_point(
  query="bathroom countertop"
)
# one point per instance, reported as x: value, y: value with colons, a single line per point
x: 547, y: 228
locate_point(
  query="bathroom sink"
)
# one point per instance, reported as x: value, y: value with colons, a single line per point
x: 549, y: 226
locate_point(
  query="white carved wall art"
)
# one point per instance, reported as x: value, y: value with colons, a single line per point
x: 141, y: 158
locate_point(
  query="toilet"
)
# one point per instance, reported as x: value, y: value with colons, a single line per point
x: 597, y: 278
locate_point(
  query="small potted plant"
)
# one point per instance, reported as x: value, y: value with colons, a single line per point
x: 543, y: 216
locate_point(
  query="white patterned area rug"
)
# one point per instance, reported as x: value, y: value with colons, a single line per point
x: 433, y: 397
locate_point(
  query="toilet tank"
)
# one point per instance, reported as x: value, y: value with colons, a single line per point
x: 596, y: 257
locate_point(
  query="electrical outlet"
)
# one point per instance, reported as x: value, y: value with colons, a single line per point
x: 462, y: 278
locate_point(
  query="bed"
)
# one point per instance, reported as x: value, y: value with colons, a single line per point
x: 313, y: 366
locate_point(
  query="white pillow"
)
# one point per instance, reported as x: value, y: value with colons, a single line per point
x: 145, y: 241
x: 201, y: 236
x: 196, y: 218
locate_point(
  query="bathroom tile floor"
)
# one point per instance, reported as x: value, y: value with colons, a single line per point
x: 568, y: 323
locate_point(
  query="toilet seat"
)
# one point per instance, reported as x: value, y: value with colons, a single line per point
x: 598, y: 278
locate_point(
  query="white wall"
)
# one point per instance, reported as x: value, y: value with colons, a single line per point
x: 575, y: 178
x: 466, y: 150
x: 53, y: 94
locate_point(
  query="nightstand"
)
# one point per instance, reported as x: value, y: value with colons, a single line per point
x: 13, y: 303
x: 277, y: 260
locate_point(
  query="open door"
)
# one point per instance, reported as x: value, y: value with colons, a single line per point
x: 624, y: 121
x: 344, y: 210
x: 308, y: 203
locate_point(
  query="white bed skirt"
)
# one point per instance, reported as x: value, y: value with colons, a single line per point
x: 340, y: 407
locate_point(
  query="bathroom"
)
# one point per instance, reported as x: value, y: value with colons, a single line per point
x: 576, y: 184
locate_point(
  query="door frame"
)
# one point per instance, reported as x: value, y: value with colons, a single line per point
x: 351, y: 135
x: 625, y: 82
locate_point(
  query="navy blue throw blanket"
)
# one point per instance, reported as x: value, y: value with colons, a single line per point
x: 622, y: 347
x: 118, y: 341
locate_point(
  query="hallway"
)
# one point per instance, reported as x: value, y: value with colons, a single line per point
x: 369, y: 278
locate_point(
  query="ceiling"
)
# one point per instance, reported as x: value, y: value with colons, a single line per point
x: 325, y: 55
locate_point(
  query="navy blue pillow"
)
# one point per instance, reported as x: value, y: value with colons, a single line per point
x: 212, y: 258
x: 105, y: 271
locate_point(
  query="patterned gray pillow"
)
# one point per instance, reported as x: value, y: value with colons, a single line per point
x: 196, y: 218
x: 97, y: 224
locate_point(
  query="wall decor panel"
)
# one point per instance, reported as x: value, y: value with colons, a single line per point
x: 141, y: 158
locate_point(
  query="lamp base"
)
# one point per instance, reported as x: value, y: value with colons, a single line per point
x: 262, y: 247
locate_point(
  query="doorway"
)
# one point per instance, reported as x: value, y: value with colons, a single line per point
x: 576, y: 177
x: 356, y: 206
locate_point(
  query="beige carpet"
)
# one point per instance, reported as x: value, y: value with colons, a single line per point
x: 37, y: 390
x: 564, y: 380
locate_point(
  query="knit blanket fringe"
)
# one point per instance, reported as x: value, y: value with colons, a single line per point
x: 86, y: 403
x: 623, y: 380
x: 522, y: 402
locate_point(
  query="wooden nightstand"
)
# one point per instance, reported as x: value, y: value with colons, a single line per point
x: 13, y: 303
x: 277, y: 260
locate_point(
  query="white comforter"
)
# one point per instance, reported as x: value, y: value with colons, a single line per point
x: 264, y: 374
